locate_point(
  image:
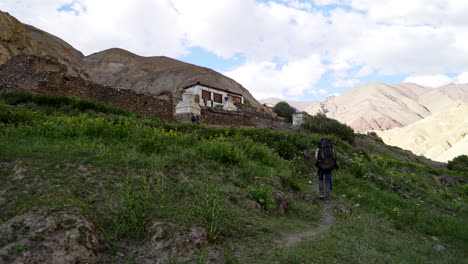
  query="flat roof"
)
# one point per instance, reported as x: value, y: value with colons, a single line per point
x: 212, y: 87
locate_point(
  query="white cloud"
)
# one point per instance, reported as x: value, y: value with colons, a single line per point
x: 462, y: 78
x: 437, y: 80
x: 429, y: 80
x: 267, y: 79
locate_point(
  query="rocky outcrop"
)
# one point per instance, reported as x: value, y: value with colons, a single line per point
x: 154, y: 75
x: 14, y: 39
x: 64, y: 237
x: 17, y: 38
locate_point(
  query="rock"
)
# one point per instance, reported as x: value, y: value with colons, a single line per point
x: 58, y: 238
x: 282, y: 203
x: 309, y: 198
x: 341, y: 208
x: 19, y: 172
x: 251, y: 204
x: 172, y: 240
x: 439, y: 248
x: 446, y: 180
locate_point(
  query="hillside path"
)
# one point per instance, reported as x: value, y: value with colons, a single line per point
x: 326, y: 220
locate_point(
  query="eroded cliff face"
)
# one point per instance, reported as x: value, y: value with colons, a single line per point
x: 14, y: 39
x: 154, y: 75
x: 17, y: 38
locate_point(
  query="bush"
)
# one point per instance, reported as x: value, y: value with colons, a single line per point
x: 263, y: 195
x: 321, y: 124
x: 283, y: 109
x: 459, y: 163
x: 211, y: 212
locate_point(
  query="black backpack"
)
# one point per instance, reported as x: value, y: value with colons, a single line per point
x: 326, y: 155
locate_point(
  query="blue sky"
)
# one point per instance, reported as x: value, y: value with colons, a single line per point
x: 293, y: 49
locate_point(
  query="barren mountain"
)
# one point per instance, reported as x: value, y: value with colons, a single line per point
x: 375, y: 106
x: 301, y: 106
x: 17, y: 38
x: 459, y: 91
x: 14, y: 39
x: 154, y: 75
x: 440, y: 137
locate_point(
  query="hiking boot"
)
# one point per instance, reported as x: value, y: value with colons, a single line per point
x: 321, y: 194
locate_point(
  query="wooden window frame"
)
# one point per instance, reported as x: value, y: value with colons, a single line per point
x: 218, y: 98
x: 206, y: 95
x: 235, y: 99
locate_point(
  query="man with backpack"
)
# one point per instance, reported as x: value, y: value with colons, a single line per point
x: 325, y: 160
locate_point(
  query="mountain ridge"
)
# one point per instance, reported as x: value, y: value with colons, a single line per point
x: 378, y: 106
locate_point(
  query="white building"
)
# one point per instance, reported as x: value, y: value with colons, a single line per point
x: 213, y: 96
x: 299, y: 118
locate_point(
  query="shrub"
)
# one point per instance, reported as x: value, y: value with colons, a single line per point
x: 374, y: 136
x: 131, y: 214
x: 283, y: 109
x: 14, y: 117
x: 459, y: 163
x: 321, y: 124
x: 212, y: 212
x: 223, y: 152
x: 263, y: 195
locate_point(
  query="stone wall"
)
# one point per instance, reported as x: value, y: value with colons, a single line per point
x: 216, y: 116
x: 35, y: 74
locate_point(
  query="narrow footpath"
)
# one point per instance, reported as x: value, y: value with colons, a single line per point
x: 327, y: 219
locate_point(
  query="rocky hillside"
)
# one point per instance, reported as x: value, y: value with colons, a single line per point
x: 440, y: 137
x: 14, y: 39
x: 377, y: 106
x: 154, y: 75
x: 17, y: 38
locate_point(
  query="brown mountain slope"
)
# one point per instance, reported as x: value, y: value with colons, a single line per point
x: 56, y: 47
x: 375, y: 106
x: 18, y: 38
x: 122, y: 69
x: 14, y: 39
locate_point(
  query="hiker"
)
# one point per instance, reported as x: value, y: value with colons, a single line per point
x: 195, y: 119
x: 325, y: 160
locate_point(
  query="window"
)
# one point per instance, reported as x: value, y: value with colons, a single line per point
x: 235, y: 99
x: 218, y: 98
x: 206, y: 95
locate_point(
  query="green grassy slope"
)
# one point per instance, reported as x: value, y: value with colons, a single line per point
x: 124, y: 172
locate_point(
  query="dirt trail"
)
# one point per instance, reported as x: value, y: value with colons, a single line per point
x: 326, y: 221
